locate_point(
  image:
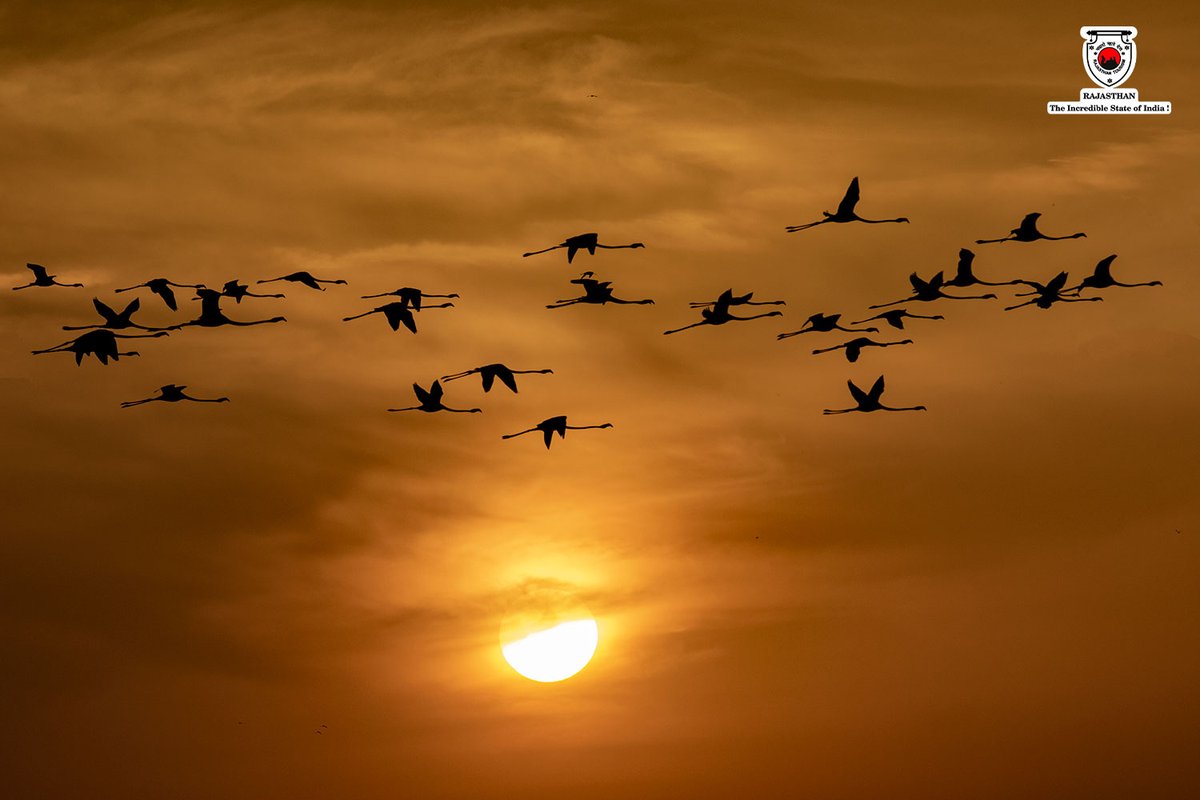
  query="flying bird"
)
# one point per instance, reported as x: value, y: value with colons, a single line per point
x: 112, y: 319
x: 554, y: 425
x: 411, y: 297
x: 100, y: 343
x: 211, y: 315
x: 584, y: 241
x: 43, y: 278
x: 239, y: 290
x: 964, y: 276
x: 930, y: 290
x: 1101, y: 278
x: 596, y: 293
x: 162, y: 288
x: 1027, y: 232
x: 824, y: 323
x: 855, y: 346
x: 727, y: 298
x: 896, y: 318
x: 490, y: 372
x: 869, y: 401
x: 431, y: 400
x: 172, y: 394
x: 1049, y: 293
x: 305, y: 278
x: 719, y: 314
x: 844, y: 213
x: 396, y: 314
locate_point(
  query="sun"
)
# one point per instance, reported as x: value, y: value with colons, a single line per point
x: 555, y: 653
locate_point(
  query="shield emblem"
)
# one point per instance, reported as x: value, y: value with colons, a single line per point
x: 1108, y: 54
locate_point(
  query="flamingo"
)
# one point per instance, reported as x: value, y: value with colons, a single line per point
x: 431, y: 401
x: 964, y: 276
x: 43, y: 278
x: 896, y: 317
x: 869, y: 401
x: 554, y: 425
x: 930, y: 290
x: 172, y: 394
x: 1050, y: 293
x: 845, y: 212
x: 824, y: 323
x: 101, y: 343
x: 1101, y: 278
x: 411, y: 297
x: 162, y: 288
x: 211, y: 315
x: 112, y: 319
x: 239, y: 290
x: 596, y: 293
x: 728, y: 298
x: 1027, y: 232
x: 583, y: 241
x: 719, y: 315
x: 854, y: 347
x: 396, y: 314
x: 305, y: 278
x: 490, y: 372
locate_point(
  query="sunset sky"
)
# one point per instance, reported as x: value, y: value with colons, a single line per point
x: 996, y: 598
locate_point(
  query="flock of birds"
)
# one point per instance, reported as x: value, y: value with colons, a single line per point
x: 102, y: 340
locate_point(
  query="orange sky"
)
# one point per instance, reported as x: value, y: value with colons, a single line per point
x: 996, y: 598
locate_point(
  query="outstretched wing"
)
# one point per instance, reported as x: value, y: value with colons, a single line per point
x: 965, y: 257
x: 133, y: 306
x: 876, y: 390
x: 423, y: 397
x: 39, y: 272
x: 1104, y: 268
x: 507, y: 378
x: 848, y: 203
x: 858, y: 394
x: 1057, y: 282
x: 102, y: 309
x: 917, y: 284
x: 436, y: 391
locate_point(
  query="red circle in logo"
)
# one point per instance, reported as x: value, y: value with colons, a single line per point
x: 1108, y: 59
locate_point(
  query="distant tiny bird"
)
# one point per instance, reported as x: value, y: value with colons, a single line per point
x: 896, y: 318
x: 305, y: 278
x: 583, y: 241
x: 112, y: 319
x: 844, y: 213
x: 1101, y: 278
x: 431, y: 400
x: 1027, y: 232
x: 490, y: 372
x: 172, y: 393
x: 239, y: 290
x: 855, y: 346
x: 162, y: 288
x: 100, y: 343
x: 43, y: 278
x: 1049, y: 293
x: 930, y: 290
x: 554, y: 425
x: 411, y: 297
x: 869, y: 401
x: 595, y: 293
x: 824, y: 323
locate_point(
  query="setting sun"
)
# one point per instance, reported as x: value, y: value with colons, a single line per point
x: 556, y: 653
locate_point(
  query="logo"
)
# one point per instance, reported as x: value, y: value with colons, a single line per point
x: 1109, y: 54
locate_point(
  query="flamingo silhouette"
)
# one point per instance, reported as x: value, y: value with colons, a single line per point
x: 396, y: 314
x: 896, y: 318
x: 211, y: 315
x: 964, y: 276
x: 855, y: 346
x: 411, y: 297
x: 1049, y: 293
x: 727, y: 298
x: 719, y: 314
x: 101, y: 343
x: 112, y: 319
x: 43, y: 278
x: 869, y: 401
x: 490, y: 372
x: 1101, y: 278
x: 554, y: 425
x: 930, y: 290
x: 162, y: 288
x: 431, y: 401
x: 172, y: 394
x: 824, y: 323
x: 305, y: 278
x: 844, y: 213
x: 596, y: 293
x: 1027, y: 232
x: 583, y: 241
x: 239, y: 290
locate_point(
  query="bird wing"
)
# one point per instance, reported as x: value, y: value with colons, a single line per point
x: 965, y: 257
x: 858, y: 394
x: 850, y: 200
x: 39, y: 272
x: 1057, y: 282
x: 937, y: 280
x: 133, y: 306
x: 876, y: 390
x: 423, y: 397
x: 167, y: 295
x: 102, y: 309
x: 1104, y: 268
x: 917, y: 284
x: 507, y: 378
x: 436, y: 391
x: 489, y: 378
